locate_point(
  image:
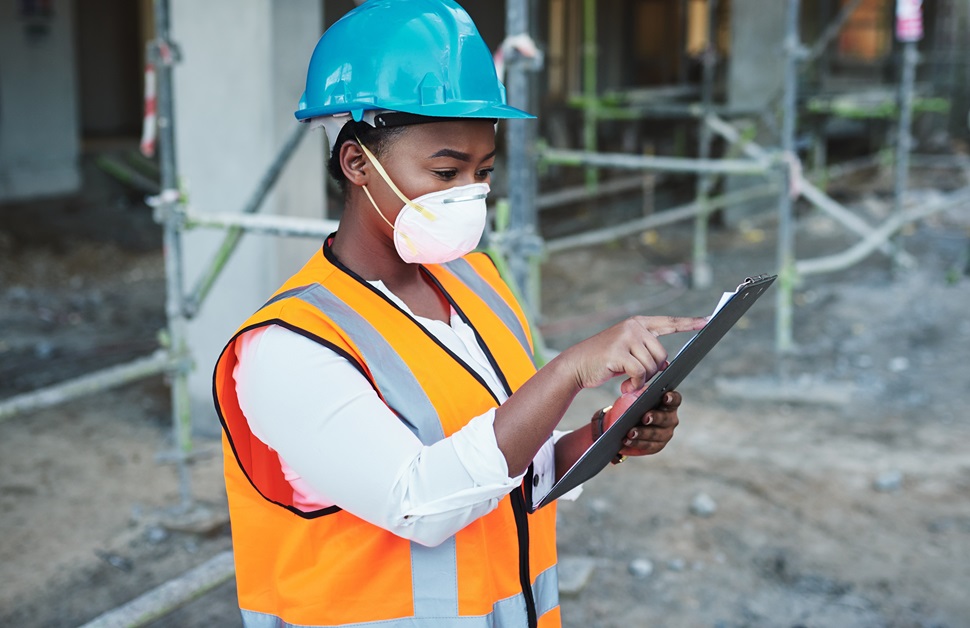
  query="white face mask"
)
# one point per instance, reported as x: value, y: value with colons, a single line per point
x: 437, y: 227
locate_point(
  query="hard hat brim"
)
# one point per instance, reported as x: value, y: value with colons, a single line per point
x: 466, y: 109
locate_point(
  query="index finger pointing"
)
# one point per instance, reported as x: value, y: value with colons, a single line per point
x: 663, y: 325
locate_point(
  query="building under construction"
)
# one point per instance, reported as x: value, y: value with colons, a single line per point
x: 650, y: 113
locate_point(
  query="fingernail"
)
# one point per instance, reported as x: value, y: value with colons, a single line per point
x: 628, y: 443
x: 649, y: 420
x: 633, y: 434
x: 668, y: 398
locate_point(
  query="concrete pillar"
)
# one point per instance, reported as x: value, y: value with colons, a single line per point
x: 39, y: 135
x: 242, y: 72
x: 755, y: 76
x: 958, y: 50
x: 757, y: 55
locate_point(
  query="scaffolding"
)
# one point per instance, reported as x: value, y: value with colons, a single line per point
x: 517, y: 241
x: 174, y: 358
x: 780, y: 167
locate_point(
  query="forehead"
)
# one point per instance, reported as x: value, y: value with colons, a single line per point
x: 475, y: 137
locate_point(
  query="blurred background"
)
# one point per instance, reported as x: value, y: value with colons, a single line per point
x: 155, y: 189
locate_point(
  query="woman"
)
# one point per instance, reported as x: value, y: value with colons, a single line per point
x: 386, y: 432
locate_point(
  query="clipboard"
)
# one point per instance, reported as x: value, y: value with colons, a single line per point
x: 730, y: 309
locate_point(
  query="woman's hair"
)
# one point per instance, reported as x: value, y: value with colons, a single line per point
x: 376, y: 139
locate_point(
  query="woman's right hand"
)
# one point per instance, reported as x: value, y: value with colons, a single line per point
x: 525, y: 421
x: 628, y: 348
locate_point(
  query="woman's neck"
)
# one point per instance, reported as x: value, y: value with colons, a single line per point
x: 366, y: 250
x: 370, y: 254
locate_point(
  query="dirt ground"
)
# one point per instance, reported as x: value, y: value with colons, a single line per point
x: 761, y: 512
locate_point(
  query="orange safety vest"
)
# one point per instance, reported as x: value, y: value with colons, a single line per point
x: 330, y: 568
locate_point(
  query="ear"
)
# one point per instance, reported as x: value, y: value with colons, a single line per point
x: 354, y: 164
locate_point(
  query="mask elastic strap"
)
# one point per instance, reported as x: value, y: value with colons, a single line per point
x: 387, y: 179
x: 403, y: 235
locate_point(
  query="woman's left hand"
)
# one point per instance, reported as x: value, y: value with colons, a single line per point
x: 656, y: 427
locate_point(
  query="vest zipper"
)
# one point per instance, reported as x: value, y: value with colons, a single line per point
x: 525, y: 579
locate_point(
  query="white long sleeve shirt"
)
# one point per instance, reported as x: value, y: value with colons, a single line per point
x: 339, y: 444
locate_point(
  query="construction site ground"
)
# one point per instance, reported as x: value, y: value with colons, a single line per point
x: 844, y: 504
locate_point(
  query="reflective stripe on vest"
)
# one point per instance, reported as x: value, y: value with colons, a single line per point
x: 461, y: 269
x: 507, y: 613
x: 464, y: 272
x: 393, y: 378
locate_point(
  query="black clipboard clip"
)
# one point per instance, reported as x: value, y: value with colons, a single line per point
x: 753, y: 280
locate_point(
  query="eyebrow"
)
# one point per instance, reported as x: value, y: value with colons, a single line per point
x: 460, y: 156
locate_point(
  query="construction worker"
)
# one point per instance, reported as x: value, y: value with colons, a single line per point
x: 386, y: 432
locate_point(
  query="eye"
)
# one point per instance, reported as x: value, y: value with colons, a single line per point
x: 446, y: 175
x: 485, y: 173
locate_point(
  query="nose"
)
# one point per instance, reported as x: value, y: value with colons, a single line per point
x: 469, y: 178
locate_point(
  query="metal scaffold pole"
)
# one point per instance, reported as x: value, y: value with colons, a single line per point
x: 521, y: 240
x: 786, y: 222
x: 590, y: 102
x: 904, y: 139
x: 701, y: 266
x: 155, y: 364
x: 625, y: 161
x: 165, y: 56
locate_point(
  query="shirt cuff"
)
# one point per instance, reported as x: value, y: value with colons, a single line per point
x: 544, y: 471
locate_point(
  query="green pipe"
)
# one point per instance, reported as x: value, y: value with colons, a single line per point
x: 623, y: 161
x: 886, y: 109
x: 127, y: 175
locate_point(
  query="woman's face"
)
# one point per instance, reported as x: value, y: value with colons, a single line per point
x: 432, y: 157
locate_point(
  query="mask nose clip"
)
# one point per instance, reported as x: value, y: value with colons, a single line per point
x: 462, y: 199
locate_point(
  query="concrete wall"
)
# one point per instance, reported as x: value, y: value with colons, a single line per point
x: 39, y: 141
x: 235, y: 94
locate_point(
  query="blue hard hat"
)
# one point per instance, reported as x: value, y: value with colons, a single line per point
x: 422, y: 57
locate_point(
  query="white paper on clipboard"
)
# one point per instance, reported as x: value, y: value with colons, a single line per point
x: 725, y: 298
